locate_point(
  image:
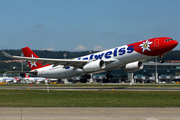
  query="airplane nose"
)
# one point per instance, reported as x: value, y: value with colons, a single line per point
x: 170, y: 45
x: 175, y: 43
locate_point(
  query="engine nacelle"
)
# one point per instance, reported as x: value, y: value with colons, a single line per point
x: 134, y: 66
x: 94, y: 66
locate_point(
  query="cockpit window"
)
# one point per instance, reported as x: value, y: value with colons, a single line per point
x: 168, y: 40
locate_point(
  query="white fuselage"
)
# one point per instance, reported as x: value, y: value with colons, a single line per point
x: 119, y: 55
x: 8, y: 79
x: 36, y: 79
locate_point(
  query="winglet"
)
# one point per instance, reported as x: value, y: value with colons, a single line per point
x: 6, y: 54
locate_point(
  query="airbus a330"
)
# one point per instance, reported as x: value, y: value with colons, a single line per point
x: 128, y: 57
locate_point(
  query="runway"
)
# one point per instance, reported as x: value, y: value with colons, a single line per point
x: 89, y: 113
x: 96, y: 88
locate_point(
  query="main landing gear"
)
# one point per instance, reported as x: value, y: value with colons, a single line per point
x: 108, y: 77
x: 84, y: 78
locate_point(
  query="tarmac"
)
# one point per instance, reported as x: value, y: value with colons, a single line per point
x: 88, y: 113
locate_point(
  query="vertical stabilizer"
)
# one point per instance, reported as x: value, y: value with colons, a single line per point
x: 32, y: 64
x: 26, y: 76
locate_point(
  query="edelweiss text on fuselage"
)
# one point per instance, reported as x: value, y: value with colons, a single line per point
x: 107, y: 55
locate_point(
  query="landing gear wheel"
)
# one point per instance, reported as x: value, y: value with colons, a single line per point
x: 109, y: 76
x: 105, y: 80
x: 88, y: 77
x: 84, y: 78
x: 161, y: 61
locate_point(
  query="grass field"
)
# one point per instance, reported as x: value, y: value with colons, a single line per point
x: 42, y: 98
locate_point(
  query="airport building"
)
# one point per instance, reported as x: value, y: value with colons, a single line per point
x: 166, y: 72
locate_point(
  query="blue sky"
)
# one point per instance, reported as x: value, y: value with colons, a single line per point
x: 75, y: 25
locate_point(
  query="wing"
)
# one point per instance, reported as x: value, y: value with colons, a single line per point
x: 65, y: 62
x: 31, y: 72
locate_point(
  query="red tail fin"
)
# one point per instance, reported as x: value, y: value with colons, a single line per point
x: 29, y: 53
x: 26, y: 76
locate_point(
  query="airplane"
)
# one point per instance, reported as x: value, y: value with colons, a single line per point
x: 128, y: 57
x: 35, y: 79
x: 9, y: 79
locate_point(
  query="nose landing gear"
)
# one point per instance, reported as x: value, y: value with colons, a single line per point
x: 161, y: 60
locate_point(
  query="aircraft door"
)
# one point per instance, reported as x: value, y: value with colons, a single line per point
x: 156, y: 42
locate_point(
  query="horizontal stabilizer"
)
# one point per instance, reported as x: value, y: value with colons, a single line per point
x: 6, y: 54
x: 34, y: 72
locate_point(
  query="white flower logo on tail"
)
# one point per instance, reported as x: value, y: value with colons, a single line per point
x: 32, y: 62
x: 145, y: 46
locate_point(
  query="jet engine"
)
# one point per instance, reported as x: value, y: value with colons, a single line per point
x: 134, y: 66
x: 94, y: 66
